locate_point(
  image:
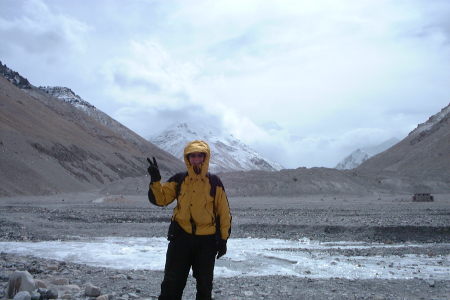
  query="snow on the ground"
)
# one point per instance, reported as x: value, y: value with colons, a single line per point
x: 247, y: 257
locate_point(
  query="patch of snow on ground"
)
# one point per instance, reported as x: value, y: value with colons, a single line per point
x: 247, y: 257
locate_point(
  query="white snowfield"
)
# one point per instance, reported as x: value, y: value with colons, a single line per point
x: 248, y: 257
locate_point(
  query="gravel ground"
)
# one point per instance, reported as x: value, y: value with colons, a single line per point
x: 386, y: 219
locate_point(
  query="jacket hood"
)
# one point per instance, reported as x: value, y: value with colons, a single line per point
x: 197, y: 146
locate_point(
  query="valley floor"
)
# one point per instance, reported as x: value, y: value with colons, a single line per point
x: 421, y: 228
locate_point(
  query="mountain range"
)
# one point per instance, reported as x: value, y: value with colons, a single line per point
x: 53, y: 141
x: 420, y: 163
x: 227, y: 152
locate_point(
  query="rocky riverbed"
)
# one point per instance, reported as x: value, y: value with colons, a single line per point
x: 421, y: 229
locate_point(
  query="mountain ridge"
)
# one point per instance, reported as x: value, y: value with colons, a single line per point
x: 51, y: 146
x: 14, y: 77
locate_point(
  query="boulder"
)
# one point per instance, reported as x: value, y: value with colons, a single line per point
x: 40, y: 284
x: 92, y: 290
x: 22, y: 295
x: 35, y: 296
x: 20, y: 281
x: 69, y: 289
x: 52, y: 267
x: 48, y: 294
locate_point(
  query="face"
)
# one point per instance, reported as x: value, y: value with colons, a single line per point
x: 196, y: 158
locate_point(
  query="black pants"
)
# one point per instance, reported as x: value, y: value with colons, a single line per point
x: 186, y: 251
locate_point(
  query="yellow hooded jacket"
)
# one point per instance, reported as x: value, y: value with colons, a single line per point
x: 196, y: 207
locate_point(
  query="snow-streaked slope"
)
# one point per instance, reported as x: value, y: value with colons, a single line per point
x: 67, y: 95
x: 359, y: 156
x: 353, y: 160
x: 433, y: 120
x: 227, y: 152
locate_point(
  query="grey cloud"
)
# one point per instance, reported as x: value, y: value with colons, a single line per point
x: 33, y: 42
x: 150, y: 122
x: 230, y: 47
x: 190, y: 114
x: 435, y: 20
x: 34, y: 29
x: 127, y: 82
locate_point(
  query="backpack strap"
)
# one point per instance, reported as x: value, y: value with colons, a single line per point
x: 178, y: 178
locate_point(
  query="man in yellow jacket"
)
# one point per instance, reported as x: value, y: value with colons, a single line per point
x: 201, y: 222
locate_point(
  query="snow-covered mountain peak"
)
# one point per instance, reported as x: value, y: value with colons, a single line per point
x: 67, y: 95
x: 360, y: 155
x: 227, y: 152
x: 353, y: 160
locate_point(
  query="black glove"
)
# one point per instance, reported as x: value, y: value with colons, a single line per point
x: 221, y: 248
x: 153, y: 170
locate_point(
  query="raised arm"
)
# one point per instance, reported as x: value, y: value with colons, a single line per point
x: 159, y: 194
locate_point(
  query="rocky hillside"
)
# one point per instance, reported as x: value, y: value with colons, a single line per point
x: 14, y: 77
x: 67, y: 95
x: 227, y: 152
x: 423, y: 156
x: 48, y: 145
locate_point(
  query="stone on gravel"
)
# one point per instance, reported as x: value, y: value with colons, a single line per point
x: 70, y: 289
x: 40, y: 284
x: 23, y: 295
x: 4, y: 276
x: 73, y: 288
x: 20, y: 281
x: 102, y: 297
x: 59, y: 281
x: 48, y: 293
x: 92, y: 290
x: 35, y: 295
x: 52, y: 267
x: 119, y: 276
x: 133, y: 296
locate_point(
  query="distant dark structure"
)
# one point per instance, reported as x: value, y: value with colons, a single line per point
x: 422, y: 197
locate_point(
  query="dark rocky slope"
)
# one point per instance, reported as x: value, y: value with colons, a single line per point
x: 48, y: 146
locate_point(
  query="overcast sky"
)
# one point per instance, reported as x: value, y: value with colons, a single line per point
x: 302, y: 82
